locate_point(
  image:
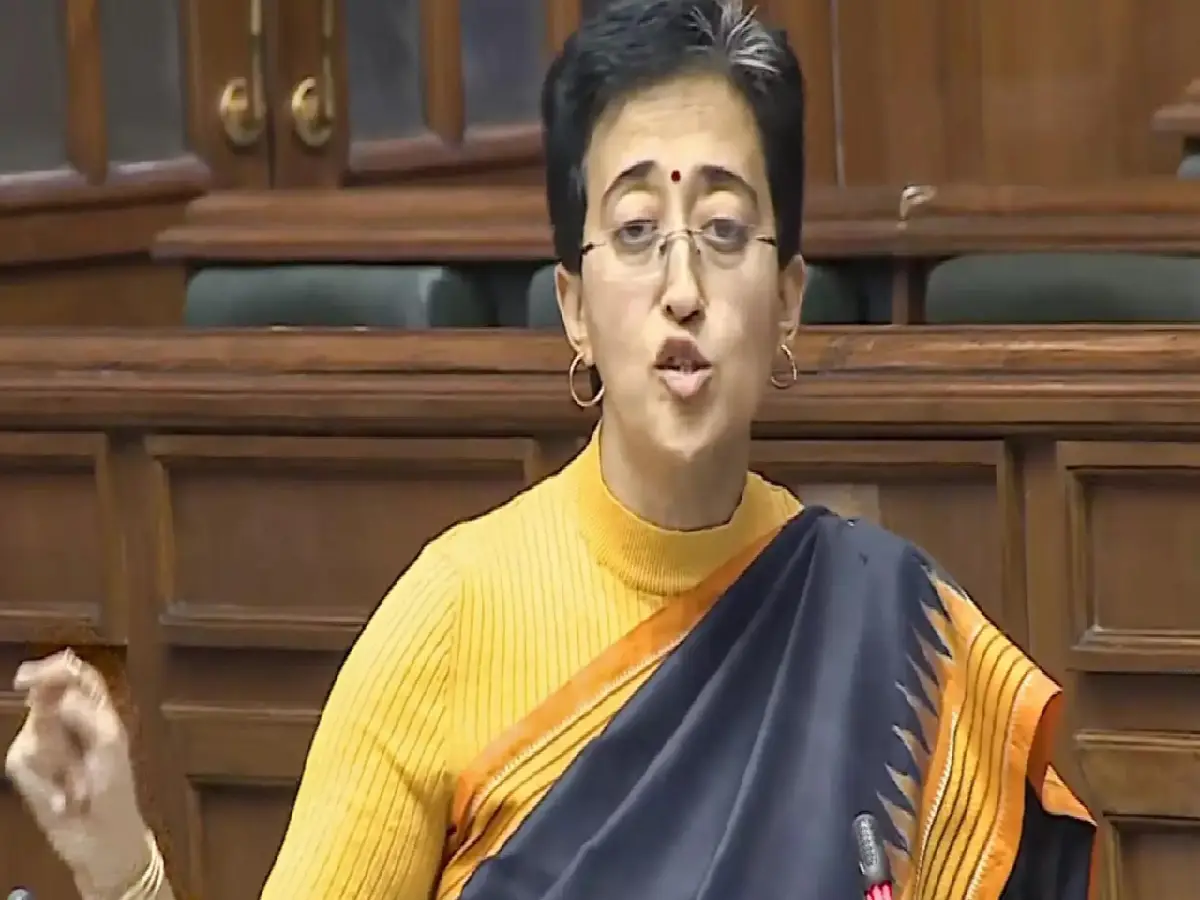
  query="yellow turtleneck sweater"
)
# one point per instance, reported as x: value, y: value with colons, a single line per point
x: 492, y: 617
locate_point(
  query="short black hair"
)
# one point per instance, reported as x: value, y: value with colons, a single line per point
x: 631, y: 44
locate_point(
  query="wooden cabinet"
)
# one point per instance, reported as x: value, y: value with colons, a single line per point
x: 219, y: 514
x: 110, y: 127
x: 117, y: 114
x: 113, y: 116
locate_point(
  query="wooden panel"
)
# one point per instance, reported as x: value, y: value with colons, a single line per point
x: 1132, y: 510
x: 811, y: 27
x: 937, y: 91
x: 425, y: 89
x: 125, y: 291
x: 241, y: 768
x: 450, y: 108
x: 56, y: 493
x: 237, y: 830
x: 1143, y: 776
x: 247, y: 522
x: 111, y: 131
x: 931, y: 91
x: 1146, y: 784
x: 219, y: 512
x: 1157, y: 858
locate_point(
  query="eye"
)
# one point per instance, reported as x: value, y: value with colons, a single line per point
x: 639, y: 234
x: 726, y: 234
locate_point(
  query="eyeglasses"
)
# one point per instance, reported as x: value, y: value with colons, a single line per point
x: 640, y: 247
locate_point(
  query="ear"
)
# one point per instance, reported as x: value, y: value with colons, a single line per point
x: 569, y: 289
x: 791, y: 296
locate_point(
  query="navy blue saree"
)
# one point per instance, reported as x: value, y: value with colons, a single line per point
x: 724, y: 747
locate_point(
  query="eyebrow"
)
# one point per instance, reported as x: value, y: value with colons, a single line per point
x: 712, y: 177
x: 638, y: 172
x: 716, y: 177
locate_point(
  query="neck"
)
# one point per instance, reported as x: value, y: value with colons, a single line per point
x: 703, y: 492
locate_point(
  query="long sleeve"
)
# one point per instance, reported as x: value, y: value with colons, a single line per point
x: 372, y: 810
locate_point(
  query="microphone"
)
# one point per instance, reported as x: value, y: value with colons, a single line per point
x: 872, y: 859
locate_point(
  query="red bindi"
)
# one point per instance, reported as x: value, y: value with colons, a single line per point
x: 675, y: 176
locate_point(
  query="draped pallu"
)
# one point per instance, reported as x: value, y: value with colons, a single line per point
x: 723, y: 748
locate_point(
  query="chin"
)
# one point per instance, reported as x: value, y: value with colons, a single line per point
x: 686, y: 438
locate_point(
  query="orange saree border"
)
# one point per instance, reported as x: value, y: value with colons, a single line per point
x: 526, y: 760
x: 996, y: 732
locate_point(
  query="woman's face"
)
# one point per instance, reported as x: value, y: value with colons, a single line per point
x: 680, y: 302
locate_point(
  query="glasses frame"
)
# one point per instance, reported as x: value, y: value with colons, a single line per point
x: 693, y: 235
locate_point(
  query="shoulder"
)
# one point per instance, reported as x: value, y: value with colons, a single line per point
x: 780, y: 502
x: 885, y: 557
x: 874, y: 546
x: 469, y: 555
x: 475, y: 546
x: 905, y: 571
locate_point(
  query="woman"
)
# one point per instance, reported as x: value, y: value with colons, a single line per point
x: 653, y: 674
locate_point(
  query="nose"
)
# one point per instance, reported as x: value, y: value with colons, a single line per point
x: 682, y: 297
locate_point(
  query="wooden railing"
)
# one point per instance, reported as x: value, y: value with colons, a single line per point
x: 223, y: 510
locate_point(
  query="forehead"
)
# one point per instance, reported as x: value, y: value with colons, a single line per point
x: 682, y: 124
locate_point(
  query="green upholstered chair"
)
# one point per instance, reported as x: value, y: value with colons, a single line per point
x: 366, y: 296
x: 541, y: 301
x: 1060, y: 288
x: 852, y: 292
x: 829, y: 298
x: 505, y: 288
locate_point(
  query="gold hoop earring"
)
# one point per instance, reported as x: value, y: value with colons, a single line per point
x: 793, y: 374
x: 579, y: 401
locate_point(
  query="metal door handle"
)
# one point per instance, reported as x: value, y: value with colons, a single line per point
x: 242, y: 105
x: 312, y: 105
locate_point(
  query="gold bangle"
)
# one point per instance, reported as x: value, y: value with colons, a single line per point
x: 148, y: 886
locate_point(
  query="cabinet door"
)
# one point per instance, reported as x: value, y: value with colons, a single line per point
x: 111, y: 126
x: 423, y: 90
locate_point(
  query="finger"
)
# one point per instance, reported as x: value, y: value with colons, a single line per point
x: 46, y: 684
x: 90, y: 721
x: 59, y: 668
x: 93, y: 684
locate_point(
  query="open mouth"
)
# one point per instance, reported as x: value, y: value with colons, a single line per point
x: 681, y: 366
x: 681, y: 355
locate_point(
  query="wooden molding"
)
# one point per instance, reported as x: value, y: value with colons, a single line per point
x: 976, y: 382
x: 509, y: 222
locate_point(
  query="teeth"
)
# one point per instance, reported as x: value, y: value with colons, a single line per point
x: 685, y: 366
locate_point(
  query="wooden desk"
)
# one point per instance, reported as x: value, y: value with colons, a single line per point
x: 224, y: 510
x: 911, y: 229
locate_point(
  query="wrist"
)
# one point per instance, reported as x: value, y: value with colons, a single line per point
x: 133, y: 875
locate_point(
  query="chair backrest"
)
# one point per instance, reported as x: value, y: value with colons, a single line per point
x: 334, y: 296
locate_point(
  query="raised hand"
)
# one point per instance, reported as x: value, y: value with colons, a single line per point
x: 70, y: 762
